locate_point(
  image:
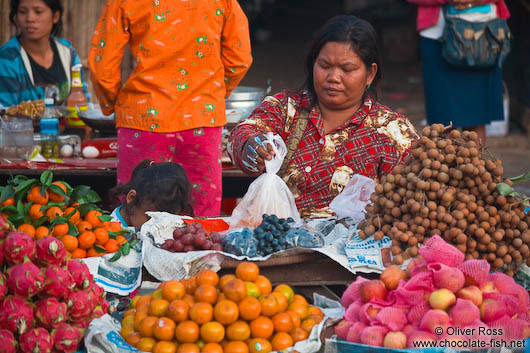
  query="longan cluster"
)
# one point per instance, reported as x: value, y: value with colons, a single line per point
x: 445, y: 187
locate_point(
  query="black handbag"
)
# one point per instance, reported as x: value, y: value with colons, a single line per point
x: 475, y: 44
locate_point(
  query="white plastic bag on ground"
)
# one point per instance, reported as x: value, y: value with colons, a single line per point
x: 351, y: 202
x: 267, y: 194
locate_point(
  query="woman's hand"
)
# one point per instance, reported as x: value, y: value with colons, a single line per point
x: 255, y: 152
x: 464, y: 4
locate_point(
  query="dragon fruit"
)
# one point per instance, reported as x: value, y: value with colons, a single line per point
x: 50, y: 251
x: 96, y: 293
x: 8, y: 343
x: 1, y: 252
x: 3, y: 285
x: 24, y: 279
x: 5, y: 227
x: 80, y: 273
x: 16, y: 314
x: 57, y: 282
x: 66, y: 338
x: 50, y: 312
x: 37, y: 340
x: 17, y: 246
x: 79, y: 306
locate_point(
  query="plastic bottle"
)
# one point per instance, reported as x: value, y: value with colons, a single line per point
x: 49, y: 131
x: 76, y: 99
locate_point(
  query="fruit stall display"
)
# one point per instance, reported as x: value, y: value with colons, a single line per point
x: 447, y: 186
x: 48, y: 298
x: 440, y: 297
x: 44, y: 207
x: 206, y: 313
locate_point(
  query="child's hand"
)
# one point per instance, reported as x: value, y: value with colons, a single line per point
x: 255, y: 152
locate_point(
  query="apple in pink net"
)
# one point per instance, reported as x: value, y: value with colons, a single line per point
x: 488, y: 287
x: 392, y: 275
x: 472, y: 293
x: 374, y: 289
x: 395, y: 339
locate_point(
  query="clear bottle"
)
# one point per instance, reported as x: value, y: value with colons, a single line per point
x: 49, y: 131
x: 76, y: 99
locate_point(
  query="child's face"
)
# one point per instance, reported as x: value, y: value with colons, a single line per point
x: 137, y: 214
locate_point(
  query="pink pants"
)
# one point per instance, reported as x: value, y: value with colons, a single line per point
x: 197, y: 150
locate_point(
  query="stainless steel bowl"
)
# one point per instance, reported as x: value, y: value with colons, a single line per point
x: 242, y: 101
x: 94, y: 118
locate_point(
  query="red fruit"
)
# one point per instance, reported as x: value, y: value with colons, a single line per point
x: 96, y: 294
x: 354, y: 332
x: 187, y: 239
x: 57, y: 282
x: 178, y: 246
x: 216, y: 237
x: 168, y: 244
x: 207, y: 245
x: 217, y: 247
x: 50, y: 251
x: 79, y: 306
x: 50, y: 312
x: 188, y: 248
x: 341, y: 329
x: 177, y: 233
x: 80, y: 273
x: 16, y: 314
x: 3, y: 285
x: 24, y: 279
x: 5, y: 227
x: 18, y: 245
x: 374, y: 289
x: 199, y: 240
x: 1, y: 252
x: 8, y: 343
x: 66, y: 338
x: 37, y: 340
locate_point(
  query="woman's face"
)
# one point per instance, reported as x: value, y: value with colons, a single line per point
x: 340, y: 76
x: 35, y: 19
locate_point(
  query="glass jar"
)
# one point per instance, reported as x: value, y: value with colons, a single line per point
x: 49, y: 133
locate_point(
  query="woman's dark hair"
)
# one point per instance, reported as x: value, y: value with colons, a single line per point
x: 54, y: 5
x: 163, y: 185
x: 346, y: 29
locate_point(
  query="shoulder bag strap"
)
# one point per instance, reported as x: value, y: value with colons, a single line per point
x: 294, y: 139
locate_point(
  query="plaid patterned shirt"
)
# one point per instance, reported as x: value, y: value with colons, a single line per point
x: 371, y: 143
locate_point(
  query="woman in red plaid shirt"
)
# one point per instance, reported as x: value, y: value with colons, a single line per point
x: 341, y: 130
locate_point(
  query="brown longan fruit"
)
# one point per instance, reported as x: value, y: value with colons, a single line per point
x: 497, y: 263
x: 398, y: 260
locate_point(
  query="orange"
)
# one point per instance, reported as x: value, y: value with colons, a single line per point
x: 141, y: 300
x: 308, y: 324
x: 9, y: 202
x: 226, y: 312
x: 158, y: 307
x: 178, y: 310
x: 78, y: 253
x: 206, y: 293
x: 224, y: 280
x: 165, y: 347
x: 201, y: 313
x: 264, y: 285
x: 188, y: 299
x: 295, y: 317
x: 249, y: 308
x: 187, y: 331
x: 128, y: 314
x: 173, y: 290
x: 300, y: 309
x: 285, y: 290
x: 315, y: 310
x: 207, y: 277
x: 93, y: 253
x: 262, y: 327
x: 236, y: 347
x: 297, y: 298
x: 60, y: 229
x: 146, y: 344
x: 86, y: 239
x: 138, y: 320
x: 35, y: 196
x: 120, y: 239
x: 238, y: 331
x: 190, y: 284
x: 35, y: 211
x: 126, y: 330
x: 235, y: 290
x: 212, y: 332
x: 315, y: 317
x: 54, y: 197
x: 41, y: 232
x: 70, y: 242
x: 252, y: 289
x: 247, y: 271
x: 269, y: 305
x: 212, y: 348
x: 92, y: 217
x: 147, y: 325
x: 27, y: 228
x: 164, y: 329
x: 74, y: 217
x: 259, y: 345
x: 111, y: 245
x: 102, y: 236
x: 157, y: 294
x: 83, y: 226
x: 114, y: 226
x: 54, y: 212
x: 282, y: 301
x: 282, y: 322
x: 298, y: 334
x: 281, y: 341
x: 133, y: 339
x: 188, y: 348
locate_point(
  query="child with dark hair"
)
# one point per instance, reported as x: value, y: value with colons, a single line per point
x: 153, y: 187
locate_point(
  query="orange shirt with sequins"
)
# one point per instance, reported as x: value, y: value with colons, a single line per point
x: 188, y: 56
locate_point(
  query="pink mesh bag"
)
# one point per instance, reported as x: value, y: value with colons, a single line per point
x: 393, y: 318
x: 351, y: 293
x: 512, y: 329
x: 352, y: 312
x: 509, y: 302
x: 477, y: 333
x: 421, y: 281
x: 504, y: 283
x: 435, y: 249
x: 476, y: 270
x: 354, y: 333
x: 368, y: 312
x: 403, y: 296
x: 417, y: 311
x: 446, y: 277
x: 373, y: 335
x: 464, y: 312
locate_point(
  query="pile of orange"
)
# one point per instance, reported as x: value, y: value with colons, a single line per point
x: 238, y: 313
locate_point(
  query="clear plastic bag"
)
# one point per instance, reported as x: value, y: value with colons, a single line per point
x: 304, y: 238
x: 268, y: 194
x: 351, y: 202
x: 241, y: 242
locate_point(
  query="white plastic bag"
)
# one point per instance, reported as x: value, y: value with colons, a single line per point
x: 267, y: 194
x: 351, y: 202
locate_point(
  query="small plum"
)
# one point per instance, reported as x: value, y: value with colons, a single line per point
x: 187, y: 239
x: 177, y: 233
x: 217, y: 247
x: 207, y: 245
x: 199, y: 240
x: 178, y: 246
x: 188, y: 248
x: 216, y: 237
x: 168, y: 244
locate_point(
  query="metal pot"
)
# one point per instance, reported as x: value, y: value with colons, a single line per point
x: 93, y: 117
x: 242, y: 101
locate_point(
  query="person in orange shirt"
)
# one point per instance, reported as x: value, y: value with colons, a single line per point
x: 189, y: 56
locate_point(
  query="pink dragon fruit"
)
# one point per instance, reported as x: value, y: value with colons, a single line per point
x: 58, y: 282
x: 95, y: 293
x: 5, y: 227
x: 3, y: 285
x: 66, y: 338
x: 18, y: 245
x: 50, y: 251
x: 16, y: 314
x: 1, y: 252
x: 24, y: 279
x: 37, y: 340
x: 79, y: 306
x: 80, y: 273
x: 50, y: 312
x: 8, y: 343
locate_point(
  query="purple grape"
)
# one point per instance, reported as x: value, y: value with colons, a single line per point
x: 217, y: 247
x: 216, y: 237
x: 168, y: 244
x: 177, y: 233
x: 188, y: 248
x: 178, y: 246
x: 197, y: 225
x: 187, y: 239
x: 199, y: 240
x: 207, y: 245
